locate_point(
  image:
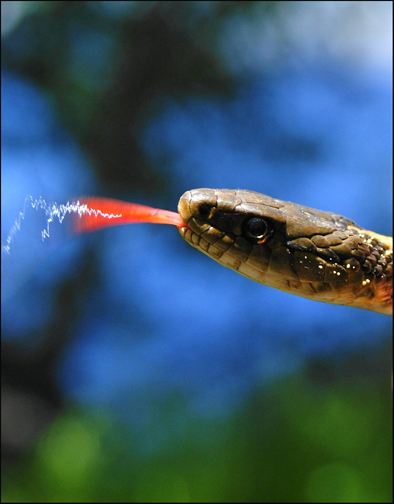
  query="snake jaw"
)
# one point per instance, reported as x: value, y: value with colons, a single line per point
x: 307, y: 252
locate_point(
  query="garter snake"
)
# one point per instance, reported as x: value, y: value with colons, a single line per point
x: 315, y: 254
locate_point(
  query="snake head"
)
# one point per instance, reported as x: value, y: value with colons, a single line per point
x: 300, y: 250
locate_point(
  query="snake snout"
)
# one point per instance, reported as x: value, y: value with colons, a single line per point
x: 197, y: 204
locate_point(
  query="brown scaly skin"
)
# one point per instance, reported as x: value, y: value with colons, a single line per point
x: 300, y: 250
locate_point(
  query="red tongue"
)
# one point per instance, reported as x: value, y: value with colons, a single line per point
x: 97, y: 213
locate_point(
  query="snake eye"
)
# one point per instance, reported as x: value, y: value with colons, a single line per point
x: 204, y: 210
x: 256, y: 228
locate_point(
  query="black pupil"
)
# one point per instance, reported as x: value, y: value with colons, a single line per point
x: 256, y: 227
x: 204, y: 210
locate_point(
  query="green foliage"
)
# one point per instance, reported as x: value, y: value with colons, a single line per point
x: 293, y: 442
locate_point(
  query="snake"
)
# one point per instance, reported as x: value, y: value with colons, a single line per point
x: 315, y: 254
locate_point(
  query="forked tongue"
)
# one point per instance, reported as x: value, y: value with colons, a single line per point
x: 97, y: 213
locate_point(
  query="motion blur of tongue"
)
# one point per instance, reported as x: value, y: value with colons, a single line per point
x: 96, y: 213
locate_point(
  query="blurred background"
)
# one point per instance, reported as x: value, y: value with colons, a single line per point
x: 133, y: 367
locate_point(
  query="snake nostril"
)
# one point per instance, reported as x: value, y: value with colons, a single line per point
x: 204, y: 210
